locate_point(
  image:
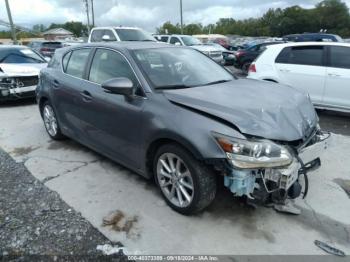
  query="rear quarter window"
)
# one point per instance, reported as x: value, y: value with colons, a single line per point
x: 302, y: 55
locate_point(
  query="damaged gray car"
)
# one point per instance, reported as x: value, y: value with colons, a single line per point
x: 173, y: 114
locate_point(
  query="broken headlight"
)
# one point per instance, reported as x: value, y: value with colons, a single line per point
x: 254, y: 153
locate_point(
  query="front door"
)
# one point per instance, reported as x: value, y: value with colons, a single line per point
x: 112, y: 122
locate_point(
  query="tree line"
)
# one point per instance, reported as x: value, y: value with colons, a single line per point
x: 330, y: 15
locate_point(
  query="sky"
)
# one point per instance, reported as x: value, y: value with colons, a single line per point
x: 146, y: 14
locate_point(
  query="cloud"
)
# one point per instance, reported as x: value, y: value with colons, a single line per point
x: 147, y: 14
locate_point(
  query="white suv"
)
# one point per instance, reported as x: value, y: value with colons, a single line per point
x: 100, y: 34
x: 319, y: 68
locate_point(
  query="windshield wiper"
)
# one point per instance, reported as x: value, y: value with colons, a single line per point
x: 173, y: 87
x: 216, y: 82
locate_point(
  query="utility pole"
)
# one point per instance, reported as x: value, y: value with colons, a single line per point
x: 13, y: 29
x: 87, y: 15
x: 92, y: 13
x: 182, y: 26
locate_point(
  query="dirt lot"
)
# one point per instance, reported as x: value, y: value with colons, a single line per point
x: 139, y: 218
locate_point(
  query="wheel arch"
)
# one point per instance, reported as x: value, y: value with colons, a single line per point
x: 41, y: 103
x: 156, y: 143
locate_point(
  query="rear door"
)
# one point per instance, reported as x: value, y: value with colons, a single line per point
x: 67, y: 86
x: 112, y: 122
x: 337, y: 91
x: 302, y: 67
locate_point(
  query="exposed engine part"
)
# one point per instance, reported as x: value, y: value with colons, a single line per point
x: 265, y: 186
x: 240, y: 182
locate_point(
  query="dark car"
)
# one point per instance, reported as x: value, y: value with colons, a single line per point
x: 245, y: 57
x: 45, y: 48
x: 173, y: 114
x: 313, y: 37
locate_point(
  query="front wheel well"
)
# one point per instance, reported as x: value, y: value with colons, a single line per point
x: 270, y: 80
x: 42, y: 102
x: 153, y: 148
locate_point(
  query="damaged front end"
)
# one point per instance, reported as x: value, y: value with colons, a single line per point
x: 268, y: 172
x: 17, y: 87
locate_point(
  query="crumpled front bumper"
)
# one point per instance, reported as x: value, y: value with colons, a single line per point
x: 313, y: 151
x: 259, y: 183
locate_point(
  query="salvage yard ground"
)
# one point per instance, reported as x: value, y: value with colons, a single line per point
x: 127, y: 208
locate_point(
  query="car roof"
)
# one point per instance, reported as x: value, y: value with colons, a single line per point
x: 310, y: 43
x: 115, y: 27
x: 128, y: 45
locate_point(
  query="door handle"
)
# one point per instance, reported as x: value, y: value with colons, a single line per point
x: 285, y: 70
x: 87, y: 97
x: 56, y: 84
x: 335, y: 75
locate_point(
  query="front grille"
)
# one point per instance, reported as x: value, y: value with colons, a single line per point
x: 26, y: 81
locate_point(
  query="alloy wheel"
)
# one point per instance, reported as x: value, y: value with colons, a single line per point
x: 175, y: 180
x: 50, y: 120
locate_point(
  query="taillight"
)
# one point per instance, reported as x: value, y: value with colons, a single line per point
x: 44, y: 49
x: 252, y: 68
x: 239, y: 53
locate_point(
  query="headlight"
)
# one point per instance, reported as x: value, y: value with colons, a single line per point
x: 254, y: 153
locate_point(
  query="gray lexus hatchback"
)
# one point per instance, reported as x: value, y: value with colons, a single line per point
x: 173, y: 114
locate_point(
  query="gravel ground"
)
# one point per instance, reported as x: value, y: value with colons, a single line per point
x: 36, y: 225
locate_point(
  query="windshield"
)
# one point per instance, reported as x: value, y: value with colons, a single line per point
x: 179, y: 68
x: 134, y: 35
x: 20, y: 56
x: 189, y: 40
x: 52, y: 45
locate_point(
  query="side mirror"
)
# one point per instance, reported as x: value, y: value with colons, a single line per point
x: 119, y: 85
x: 178, y: 43
x: 106, y: 38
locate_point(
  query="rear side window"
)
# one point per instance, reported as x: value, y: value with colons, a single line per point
x: 96, y: 35
x: 110, y: 34
x: 164, y: 39
x: 301, y: 55
x: 340, y: 57
x: 77, y: 62
x: 174, y: 40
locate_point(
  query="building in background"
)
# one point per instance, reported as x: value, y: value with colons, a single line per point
x: 57, y: 34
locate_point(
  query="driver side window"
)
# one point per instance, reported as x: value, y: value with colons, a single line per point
x: 108, y: 64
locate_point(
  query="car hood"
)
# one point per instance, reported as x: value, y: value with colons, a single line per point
x: 21, y: 69
x: 256, y: 108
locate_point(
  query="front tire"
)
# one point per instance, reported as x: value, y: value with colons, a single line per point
x: 186, y: 184
x: 50, y: 121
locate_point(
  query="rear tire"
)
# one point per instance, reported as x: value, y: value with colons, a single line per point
x: 50, y: 121
x: 176, y: 171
